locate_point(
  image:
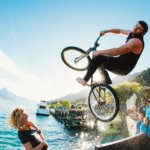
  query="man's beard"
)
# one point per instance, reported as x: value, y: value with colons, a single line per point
x: 136, y: 34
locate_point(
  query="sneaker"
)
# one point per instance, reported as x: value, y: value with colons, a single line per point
x: 81, y: 81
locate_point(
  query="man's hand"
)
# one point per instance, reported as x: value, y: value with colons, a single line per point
x: 103, y: 32
x: 95, y: 53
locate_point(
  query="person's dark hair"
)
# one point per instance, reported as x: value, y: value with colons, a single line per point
x: 144, y: 25
x: 142, y: 114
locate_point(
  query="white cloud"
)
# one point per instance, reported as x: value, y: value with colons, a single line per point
x: 24, y: 82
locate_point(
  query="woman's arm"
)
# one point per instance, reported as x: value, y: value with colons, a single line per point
x: 28, y: 146
x: 39, y: 132
x: 35, y: 127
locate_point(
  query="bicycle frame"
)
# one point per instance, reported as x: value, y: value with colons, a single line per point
x: 96, y: 44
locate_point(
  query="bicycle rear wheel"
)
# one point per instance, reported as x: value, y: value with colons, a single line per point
x: 75, y: 58
x: 103, y: 102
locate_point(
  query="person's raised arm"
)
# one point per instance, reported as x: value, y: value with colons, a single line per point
x: 39, y: 131
x: 35, y: 127
x: 134, y: 45
x: 115, y: 31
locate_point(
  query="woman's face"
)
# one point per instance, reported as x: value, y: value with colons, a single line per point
x: 24, y: 118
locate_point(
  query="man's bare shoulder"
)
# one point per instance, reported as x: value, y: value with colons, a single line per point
x: 136, y: 41
x: 136, y: 45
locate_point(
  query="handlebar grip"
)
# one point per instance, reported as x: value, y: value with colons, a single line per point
x: 101, y: 34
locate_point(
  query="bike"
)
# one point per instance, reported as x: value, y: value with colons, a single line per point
x: 102, y: 100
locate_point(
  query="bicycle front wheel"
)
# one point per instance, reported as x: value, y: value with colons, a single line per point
x: 103, y: 102
x: 75, y: 58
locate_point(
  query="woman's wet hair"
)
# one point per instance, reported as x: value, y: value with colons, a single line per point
x: 15, y: 117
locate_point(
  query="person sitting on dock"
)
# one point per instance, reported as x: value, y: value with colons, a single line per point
x: 145, y: 126
x: 18, y: 119
x: 139, y: 122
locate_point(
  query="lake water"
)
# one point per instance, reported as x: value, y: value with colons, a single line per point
x: 56, y: 134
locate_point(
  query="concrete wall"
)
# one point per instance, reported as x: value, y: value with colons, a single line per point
x: 137, y: 142
x: 133, y: 142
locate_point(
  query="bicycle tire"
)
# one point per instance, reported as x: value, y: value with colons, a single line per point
x: 99, y: 101
x: 69, y: 56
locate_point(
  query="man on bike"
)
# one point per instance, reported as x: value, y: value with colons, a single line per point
x: 120, y: 60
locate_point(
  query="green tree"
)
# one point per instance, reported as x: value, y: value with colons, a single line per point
x: 61, y: 103
x: 126, y: 89
x: 144, y: 77
x: 65, y: 103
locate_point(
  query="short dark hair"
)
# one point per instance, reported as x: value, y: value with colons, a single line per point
x: 144, y: 25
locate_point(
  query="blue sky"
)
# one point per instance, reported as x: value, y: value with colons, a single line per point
x: 34, y: 32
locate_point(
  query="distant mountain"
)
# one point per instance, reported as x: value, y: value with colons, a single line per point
x: 141, y: 77
x: 84, y: 94
x: 9, y: 101
x: 121, y: 79
x: 8, y: 95
x: 74, y: 96
x: 144, y: 77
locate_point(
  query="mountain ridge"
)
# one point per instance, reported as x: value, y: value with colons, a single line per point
x: 9, y: 95
x: 84, y: 93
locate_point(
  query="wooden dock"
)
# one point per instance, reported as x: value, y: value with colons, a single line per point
x: 71, y: 118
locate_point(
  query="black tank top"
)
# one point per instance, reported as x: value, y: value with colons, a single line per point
x: 130, y: 59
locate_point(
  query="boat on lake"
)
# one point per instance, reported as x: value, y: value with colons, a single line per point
x: 43, y: 109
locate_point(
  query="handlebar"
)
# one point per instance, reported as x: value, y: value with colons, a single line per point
x: 96, y: 44
x: 97, y: 39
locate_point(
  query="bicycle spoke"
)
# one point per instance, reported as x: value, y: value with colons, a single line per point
x: 75, y: 58
x: 97, y: 99
x: 102, y: 103
x: 100, y: 93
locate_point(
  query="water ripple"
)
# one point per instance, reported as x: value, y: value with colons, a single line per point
x: 57, y: 136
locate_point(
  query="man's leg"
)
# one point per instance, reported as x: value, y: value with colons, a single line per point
x: 96, y: 62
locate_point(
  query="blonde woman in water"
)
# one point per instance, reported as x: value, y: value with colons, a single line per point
x: 27, y: 131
